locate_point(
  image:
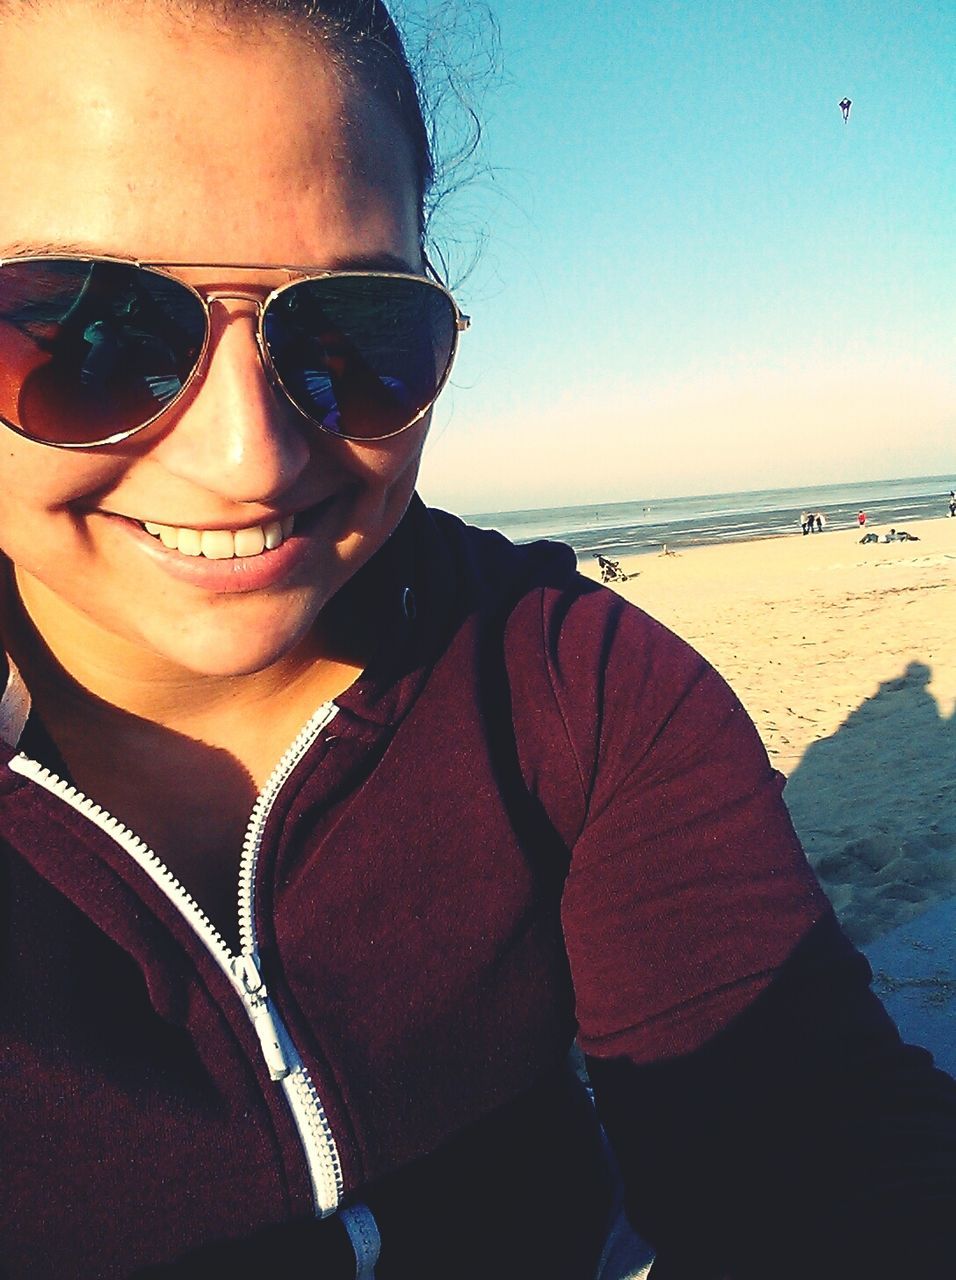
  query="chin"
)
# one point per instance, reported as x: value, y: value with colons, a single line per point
x: 235, y: 648
x: 227, y: 662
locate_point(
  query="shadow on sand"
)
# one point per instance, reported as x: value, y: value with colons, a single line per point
x: 875, y: 807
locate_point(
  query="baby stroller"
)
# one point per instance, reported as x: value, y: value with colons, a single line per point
x: 611, y: 571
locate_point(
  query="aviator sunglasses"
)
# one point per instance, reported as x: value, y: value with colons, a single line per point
x: 94, y: 349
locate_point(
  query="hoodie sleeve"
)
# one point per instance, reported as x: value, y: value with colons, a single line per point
x: 766, y: 1117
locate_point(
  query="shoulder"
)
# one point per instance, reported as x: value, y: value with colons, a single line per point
x: 497, y: 576
x: 596, y: 646
x: 587, y: 671
x: 491, y: 570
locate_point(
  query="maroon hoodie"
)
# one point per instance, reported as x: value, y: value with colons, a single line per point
x: 538, y: 816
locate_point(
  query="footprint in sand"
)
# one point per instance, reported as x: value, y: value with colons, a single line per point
x: 880, y: 882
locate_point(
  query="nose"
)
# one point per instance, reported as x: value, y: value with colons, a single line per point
x: 235, y: 437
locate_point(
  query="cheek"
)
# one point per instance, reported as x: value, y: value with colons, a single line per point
x: 41, y: 489
x: 384, y: 478
x: 21, y: 498
x: 388, y: 466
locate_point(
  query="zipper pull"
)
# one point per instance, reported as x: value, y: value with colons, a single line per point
x: 256, y: 999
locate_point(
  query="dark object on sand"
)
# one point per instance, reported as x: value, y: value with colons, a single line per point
x: 611, y: 570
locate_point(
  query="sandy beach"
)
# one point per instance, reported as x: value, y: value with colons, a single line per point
x: 844, y: 655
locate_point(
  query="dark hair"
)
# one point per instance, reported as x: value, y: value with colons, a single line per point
x: 438, y: 89
x: 456, y: 54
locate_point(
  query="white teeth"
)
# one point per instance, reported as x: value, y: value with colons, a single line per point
x: 251, y: 542
x: 223, y: 544
x: 190, y: 542
x: 215, y: 544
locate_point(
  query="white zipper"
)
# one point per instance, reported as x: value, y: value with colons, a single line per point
x: 242, y: 969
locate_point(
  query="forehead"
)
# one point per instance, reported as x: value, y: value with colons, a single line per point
x: 140, y: 134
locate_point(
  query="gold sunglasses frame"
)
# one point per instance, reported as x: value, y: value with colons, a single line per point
x: 206, y: 297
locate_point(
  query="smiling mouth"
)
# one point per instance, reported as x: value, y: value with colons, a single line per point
x: 223, y: 544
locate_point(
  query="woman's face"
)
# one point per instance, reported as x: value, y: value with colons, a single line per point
x: 170, y: 141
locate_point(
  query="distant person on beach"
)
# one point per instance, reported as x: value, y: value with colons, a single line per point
x: 366, y: 879
x: 900, y: 535
x: 819, y: 521
x: 861, y: 518
x: 952, y: 503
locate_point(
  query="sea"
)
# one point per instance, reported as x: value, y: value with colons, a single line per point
x: 645, y: 525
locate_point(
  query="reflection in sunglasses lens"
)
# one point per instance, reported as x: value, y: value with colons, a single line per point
x: 363, y: 356
x: 92, y: 350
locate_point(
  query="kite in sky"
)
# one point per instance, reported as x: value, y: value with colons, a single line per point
x: 845, y: 106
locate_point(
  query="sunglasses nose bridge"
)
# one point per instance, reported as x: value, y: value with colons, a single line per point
x: 259, y: 305
x: 222, y: 297
x: 234, y: 295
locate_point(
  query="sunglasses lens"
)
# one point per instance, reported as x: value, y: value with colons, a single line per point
x: 363, y: 356
x: 92, y: 350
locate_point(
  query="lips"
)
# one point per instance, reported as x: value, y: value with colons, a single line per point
x: 223, y: 544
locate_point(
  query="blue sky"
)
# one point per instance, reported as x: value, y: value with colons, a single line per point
x: 696, y: 277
